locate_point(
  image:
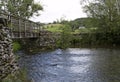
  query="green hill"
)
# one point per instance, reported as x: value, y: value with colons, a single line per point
x: 53, y: 27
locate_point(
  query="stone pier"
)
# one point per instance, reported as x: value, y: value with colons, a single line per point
x: 7, y: 59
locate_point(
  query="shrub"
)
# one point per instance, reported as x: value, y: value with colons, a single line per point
x: 19, y: 76
x: 65, y: 38
x: 16, y: 46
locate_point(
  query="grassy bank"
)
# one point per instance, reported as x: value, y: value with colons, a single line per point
x: 19, y: 76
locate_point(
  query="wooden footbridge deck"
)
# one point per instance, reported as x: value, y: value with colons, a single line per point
x: 21, y: 28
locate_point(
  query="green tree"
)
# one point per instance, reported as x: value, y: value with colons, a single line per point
x: 22, y: 8
x: 105, y: 12
x: 65, y: 38
x: 106, y: 16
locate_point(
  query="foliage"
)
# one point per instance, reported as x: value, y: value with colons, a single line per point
x: 22, y: 8
x: 75, y: 24
x: 19, y: 76
x: 106, y: 18
x: 65, y: 37
x: 105, y: 12
x: 16, y: 46
x: 81, y: 23
x: 84, y: 30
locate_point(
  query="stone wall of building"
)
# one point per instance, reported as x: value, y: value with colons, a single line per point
x: 7, y: 58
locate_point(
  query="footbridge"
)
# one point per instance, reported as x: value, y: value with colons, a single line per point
x: 21, y: 28
x: 27, y: 31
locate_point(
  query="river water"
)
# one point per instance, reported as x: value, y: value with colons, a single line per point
x: 73, y: 65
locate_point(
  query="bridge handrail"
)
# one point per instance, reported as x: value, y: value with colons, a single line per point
x: 20, y: 25
x: 18, y: 17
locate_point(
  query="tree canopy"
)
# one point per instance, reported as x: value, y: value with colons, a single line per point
x: 22, y: 8
x: 105, y: 12
x: 106, y: 16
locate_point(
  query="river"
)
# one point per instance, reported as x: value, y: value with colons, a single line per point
x: 73, y: 65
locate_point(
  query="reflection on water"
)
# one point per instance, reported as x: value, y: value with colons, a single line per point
x: 78, y: 51
x: 73, y: 65
x: 79, y: 68
x: 80, y: 59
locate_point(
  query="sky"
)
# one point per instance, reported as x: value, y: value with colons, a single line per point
x: 59, y: 9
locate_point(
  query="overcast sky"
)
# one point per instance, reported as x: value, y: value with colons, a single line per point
x: 57, y: 9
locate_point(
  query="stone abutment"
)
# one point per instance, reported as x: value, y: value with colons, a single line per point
x: 8, y: 63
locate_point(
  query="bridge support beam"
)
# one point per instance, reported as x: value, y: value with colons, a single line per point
x: 35, y: 45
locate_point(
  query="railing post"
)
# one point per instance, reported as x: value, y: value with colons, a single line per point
x: 10, y: 26
x: 39, y: 29
x: 33, y: 29
x: 31, y: 25
x: 19, y: 27
x: 25, y: 28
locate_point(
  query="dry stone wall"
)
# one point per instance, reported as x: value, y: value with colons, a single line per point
x: 7, y: 59
x: 47, y: 39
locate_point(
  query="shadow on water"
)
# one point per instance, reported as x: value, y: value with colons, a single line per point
x: 73, y: 65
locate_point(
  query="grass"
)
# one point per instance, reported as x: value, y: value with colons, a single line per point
x: 58, y: 28
x: 54, y: 27
x: 19, y: 76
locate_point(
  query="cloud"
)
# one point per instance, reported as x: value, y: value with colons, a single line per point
x: 55, y: 9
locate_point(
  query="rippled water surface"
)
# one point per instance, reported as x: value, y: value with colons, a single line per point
x: 73, y: 65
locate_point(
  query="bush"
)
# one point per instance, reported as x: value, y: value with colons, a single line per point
x: 16, y: 46
x: 65, y: 38
x: 19, y: 76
